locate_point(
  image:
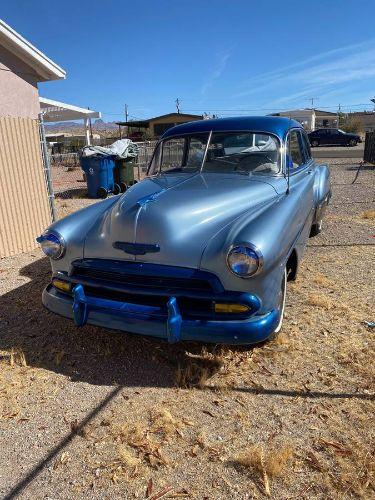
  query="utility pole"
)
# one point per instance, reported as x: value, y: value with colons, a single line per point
x: 313, y: 116
x: 177, y: 105
x: 126, y: 113
x: 312, y: 99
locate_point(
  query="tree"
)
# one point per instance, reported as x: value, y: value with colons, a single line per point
x: 350, y: 123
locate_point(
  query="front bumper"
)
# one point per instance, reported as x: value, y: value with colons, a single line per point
x: 152, y: 321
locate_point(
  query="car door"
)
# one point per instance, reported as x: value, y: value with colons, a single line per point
x: 323, y: 137
x: 301, y: 180
x: 335, y: 137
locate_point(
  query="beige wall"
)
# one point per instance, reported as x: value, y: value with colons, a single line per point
x: 18, y: 87
x: 24, y: 206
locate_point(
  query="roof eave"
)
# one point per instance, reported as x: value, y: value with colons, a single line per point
x: 44, y: 67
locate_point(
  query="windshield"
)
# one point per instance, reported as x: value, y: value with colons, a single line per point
x: 227, y: 152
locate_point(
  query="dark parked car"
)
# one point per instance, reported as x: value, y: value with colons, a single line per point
x: 333, y: 137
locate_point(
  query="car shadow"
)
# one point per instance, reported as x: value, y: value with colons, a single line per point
x: 91, y: 354
x: 77, y: 192
x: 366, y: 166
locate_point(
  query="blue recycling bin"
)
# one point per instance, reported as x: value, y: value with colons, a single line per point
x: 99, y: 175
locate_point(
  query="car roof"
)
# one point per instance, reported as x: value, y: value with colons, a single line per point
x: 272, y: 124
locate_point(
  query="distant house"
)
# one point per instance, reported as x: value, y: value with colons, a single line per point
x: 61, y: 142
x: 312, y: 119
x: 155, y: 127
x: 367, y: 119
x: 24, y: 204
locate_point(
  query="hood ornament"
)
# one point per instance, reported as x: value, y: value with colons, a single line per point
x: 147, y: 199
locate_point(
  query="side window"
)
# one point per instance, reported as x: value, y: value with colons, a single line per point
x: 294, y: 156
x: 172, y: 154
x: 306, y: 147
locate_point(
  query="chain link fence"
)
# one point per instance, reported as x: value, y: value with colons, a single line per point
x: 67, y: 177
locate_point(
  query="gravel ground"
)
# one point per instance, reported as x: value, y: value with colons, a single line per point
x: 88, y: 413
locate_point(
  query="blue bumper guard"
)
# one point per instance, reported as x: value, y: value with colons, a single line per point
x: 82, y: 304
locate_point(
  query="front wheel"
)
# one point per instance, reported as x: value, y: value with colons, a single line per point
x: 281, y: 306
x: 316, y: 228
x: 352, y: 143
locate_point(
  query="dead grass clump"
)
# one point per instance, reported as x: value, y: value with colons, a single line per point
x: 195, y: 371
x: 320, y: 301
x: 322, y: 280
x: 273, y: 462
x: 126, y: 458
x: 368, y: 214
x: 355, y: 468
x: 17, y: 357
x: 282, y: 339
x: 134, y: 435
x: 138, y: 437
x: 165, y: 424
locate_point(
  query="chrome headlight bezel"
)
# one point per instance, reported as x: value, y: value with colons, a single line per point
x: 252, y: 251
x: 52, y: 244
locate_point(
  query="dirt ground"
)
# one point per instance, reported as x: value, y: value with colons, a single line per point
x: 89, y: 413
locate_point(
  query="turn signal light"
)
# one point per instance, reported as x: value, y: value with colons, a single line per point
x: 64, y: 286
x: 231, y: 308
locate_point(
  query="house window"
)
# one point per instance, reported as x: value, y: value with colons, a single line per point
x: 160, y: 128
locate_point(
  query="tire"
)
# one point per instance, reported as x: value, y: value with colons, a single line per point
x: 102, y: 193
x: 352, y: 143
x: 282, y: 299
x: 314, y: 143
x: 123, y: 187
x: 116, y: 189
x: 316, y: 228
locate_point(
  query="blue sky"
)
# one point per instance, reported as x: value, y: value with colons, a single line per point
x: 225, y: 57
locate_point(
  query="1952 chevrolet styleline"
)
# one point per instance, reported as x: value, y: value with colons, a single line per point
x: 203, y: 247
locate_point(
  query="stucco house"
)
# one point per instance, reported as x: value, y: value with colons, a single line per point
x: 24, y: 204
x: 312, y: 119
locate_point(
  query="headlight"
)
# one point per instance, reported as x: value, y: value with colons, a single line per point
x: 244, y: 260
x: 52, y: 245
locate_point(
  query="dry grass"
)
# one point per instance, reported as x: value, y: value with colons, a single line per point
x: 196, y: 371
x: 322, y: 280
x: 319, y: 300
x: 127, y: 458
x: 313, y: 384
x: 272, y: 462
x: 17, y: 357
x: 164, y: 424
x: 368, y: 214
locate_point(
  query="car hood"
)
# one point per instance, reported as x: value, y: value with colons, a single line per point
x: 176, y: 213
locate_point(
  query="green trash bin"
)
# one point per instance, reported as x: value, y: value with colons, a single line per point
x: 124, y: 173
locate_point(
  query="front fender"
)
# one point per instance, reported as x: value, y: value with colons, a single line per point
x: 74, y: 228
x: 322, y: 184
x: 275, y: 232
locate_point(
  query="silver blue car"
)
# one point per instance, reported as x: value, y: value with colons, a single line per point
x: 203, y: 247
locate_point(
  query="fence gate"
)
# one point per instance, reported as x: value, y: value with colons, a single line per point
x: 369, y: 153
x: 47, y: 167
